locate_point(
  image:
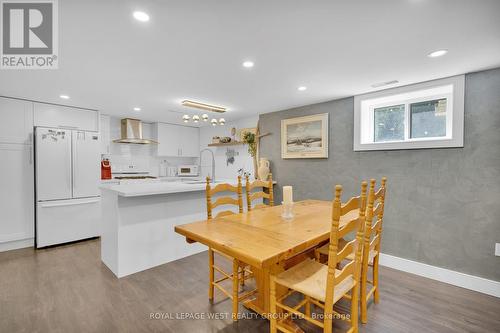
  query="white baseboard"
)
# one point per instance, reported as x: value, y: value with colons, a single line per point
x: 458, y: 279
x: 18, y: 244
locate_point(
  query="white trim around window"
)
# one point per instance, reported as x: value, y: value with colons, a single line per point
x: 451, y: 89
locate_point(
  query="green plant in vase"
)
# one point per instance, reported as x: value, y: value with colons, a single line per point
x: 249, y: 139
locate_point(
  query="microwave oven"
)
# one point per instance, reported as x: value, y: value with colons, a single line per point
x: 187, y: 170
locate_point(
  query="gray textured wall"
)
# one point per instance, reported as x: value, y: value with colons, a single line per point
x: 443, y: 205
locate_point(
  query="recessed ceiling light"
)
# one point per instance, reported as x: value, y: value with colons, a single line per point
x: 137, y: 109
x: 248, y: 64
x: 64, y: 96
x: 141, y: 16
x: 437, y: 53
x: 302, y: 88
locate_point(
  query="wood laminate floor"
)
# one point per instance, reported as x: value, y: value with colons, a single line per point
x: 68, y: 289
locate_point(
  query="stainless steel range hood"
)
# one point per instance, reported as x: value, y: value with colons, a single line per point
x: 132, y: 132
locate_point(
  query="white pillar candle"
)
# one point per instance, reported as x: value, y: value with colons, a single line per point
x: 287, y: 194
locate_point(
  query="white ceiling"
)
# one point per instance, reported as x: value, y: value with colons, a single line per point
x: 193, y: 49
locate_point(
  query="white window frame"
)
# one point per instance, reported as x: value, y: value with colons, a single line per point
x: 452, y: 88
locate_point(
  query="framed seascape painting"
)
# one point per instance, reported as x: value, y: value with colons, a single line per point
x: 305, y: 137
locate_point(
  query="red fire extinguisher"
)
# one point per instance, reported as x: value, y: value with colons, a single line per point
x: 105, y: 169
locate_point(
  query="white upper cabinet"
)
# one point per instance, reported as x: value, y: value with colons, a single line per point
x: 16, y: 125
x: 190, y: 141
x: 176, y: 140
x: 48, y: 115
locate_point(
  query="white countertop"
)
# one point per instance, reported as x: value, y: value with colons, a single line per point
x: 159, y: 187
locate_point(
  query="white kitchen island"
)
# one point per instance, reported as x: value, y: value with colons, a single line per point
x: 138, y: 223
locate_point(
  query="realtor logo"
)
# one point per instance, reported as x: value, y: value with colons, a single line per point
x: 29, y: 34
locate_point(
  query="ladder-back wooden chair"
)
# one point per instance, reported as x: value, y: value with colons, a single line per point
x: 371, y: 246
x: 239, y: 271
x: 266, y: 193
x: 323, y: 285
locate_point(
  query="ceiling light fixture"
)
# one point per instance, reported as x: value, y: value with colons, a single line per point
x: 302, y: 88
x: 438, y: 53
x: 196, y: 118
x: 204, y: 117
x: 185, y: 118
x: 248, y: 64
x: 64, y: 96
x: 214, y: 122
x: 203, y: 106
x: 222, y: 121
x: 141, y: 16
x: 137, y: 109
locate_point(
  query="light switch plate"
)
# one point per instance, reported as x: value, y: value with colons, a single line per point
x: 497, y: 249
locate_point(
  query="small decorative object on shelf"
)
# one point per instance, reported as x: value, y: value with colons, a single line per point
x: 225, y: 139
x: 264, y: 168
x: 250, y: 139
x: 215, y: 139
x: 233, y: 133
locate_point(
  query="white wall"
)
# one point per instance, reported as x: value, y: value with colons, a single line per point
x: 142, y: 156
x: 242, y: 160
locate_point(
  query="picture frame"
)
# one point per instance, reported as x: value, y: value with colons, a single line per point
x: 305, y: 137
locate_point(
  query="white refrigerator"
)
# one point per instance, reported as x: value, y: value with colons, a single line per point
x: 67, y: 177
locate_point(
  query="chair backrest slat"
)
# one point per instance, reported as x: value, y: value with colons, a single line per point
x: 347, y: 250
x: 225, y: 200
x: 265, y: 185
x: 374, y: 219
x: 353, y: 268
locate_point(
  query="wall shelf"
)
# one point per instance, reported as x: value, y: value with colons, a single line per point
x: 232, y: 143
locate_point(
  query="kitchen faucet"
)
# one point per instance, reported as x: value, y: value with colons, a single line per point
x: 213, y: 162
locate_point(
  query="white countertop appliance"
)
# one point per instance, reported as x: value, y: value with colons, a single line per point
x: 187, y: 170
x: 67, y: 179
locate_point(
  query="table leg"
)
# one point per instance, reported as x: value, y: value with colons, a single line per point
x: 262, y: 303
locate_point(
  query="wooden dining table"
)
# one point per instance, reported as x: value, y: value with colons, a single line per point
x: 264, y: 240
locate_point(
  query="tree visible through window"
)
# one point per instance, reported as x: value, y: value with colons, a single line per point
x: 389, y: 123
x: 428, y: 119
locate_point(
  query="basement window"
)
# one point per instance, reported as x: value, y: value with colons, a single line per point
x: 424, y: 115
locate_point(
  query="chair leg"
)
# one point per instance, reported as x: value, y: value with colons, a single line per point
x: 328, y: 318
x: 364, y: 276
x: 354, y: 308
x: 307, y: 306
x: 376, y: 295
x: 242, y: 277
x: 211, y: 274
x: 272, y: 315
x: 317, y: 255
x: 236, y: 266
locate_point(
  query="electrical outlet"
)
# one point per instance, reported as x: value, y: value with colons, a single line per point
x: 497, y: 249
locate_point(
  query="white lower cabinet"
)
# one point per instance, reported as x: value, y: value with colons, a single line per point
x: 176, y: 140
x: 16, y: 193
